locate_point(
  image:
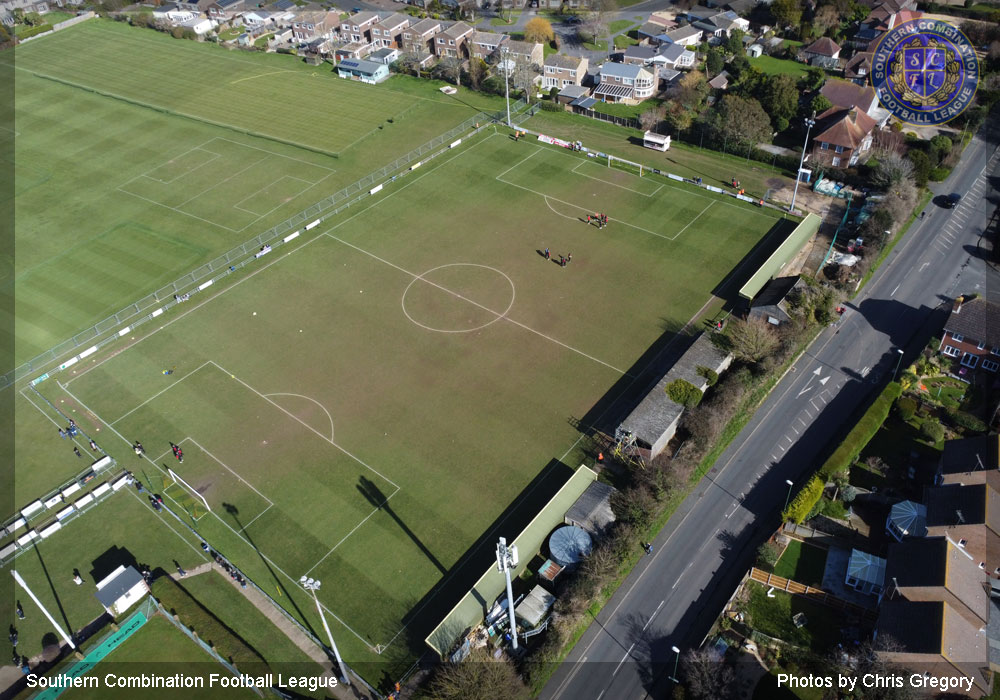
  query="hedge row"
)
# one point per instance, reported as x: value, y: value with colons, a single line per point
x: 845, y: 454
x: 35, y: 31
x: 862, y: 433
x: 805, y: 500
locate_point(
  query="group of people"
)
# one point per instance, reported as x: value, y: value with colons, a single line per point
x: 564, y: 260
x: 233, y: 572
x: 601, y: 219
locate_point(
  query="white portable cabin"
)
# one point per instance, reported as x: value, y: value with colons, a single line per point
x: 656, y: 141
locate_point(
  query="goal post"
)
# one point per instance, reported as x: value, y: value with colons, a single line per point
x: 190, y: 489
x: 627, y: 165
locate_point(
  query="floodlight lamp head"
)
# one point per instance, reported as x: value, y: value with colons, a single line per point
x: 675, y: 650
x: 303, y: 580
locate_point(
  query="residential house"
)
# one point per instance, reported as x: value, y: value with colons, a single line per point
x: 482, y: 45
x: 171, y: 13
x: 639, y: 55
x: 685, y: 36
x: 771, y: 303
x: 858, y: 67
x: 741, y: 7
x: 225, y: 10
x: 848, y: 95
x: 357, y: 27
x: 648, y: 32
x: 722, y: 24
x: 934, y: 569
x: 526, y: 53
x: 654, y: 421
x: 353, y: 50
x: 418, y: 38
x: 842, y: 136
x: 199, y: 25
x: 972, y: 334
x: 571, y: 93
x: 974, y: 460
x: 621, y: 82
x: 257, y: 22
x: 309, y: 26
x: 453, y: 41
x: 883, y: 18
x: 823, y: 52
x: 970, y: 517
x: 675, y: 56
x: 933, y: 638
x: 387, y: 33
x: 906, y: 519
x: 387, y: 56
x: 560, y: 71
x: 362, y: 70
x: 282, y: 6
x: 699, y: 12
x: 865, y: 573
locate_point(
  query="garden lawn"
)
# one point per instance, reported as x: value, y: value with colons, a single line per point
x: 773, y: 617
x: 621, y: 25
x: 777, y: 66
x: 802, y: 562
x: 315, y: 360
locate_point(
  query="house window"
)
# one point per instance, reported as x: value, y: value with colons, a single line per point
x: 991, y: 365
x: 851, y: 581
x: 440, y: 41
x: 970, y: 360
x: 951, y: 351
x: 995, y: 351
x: 840, y: 149
x: 824, y: 145
x: 451, y: 42
x: 962, y: 543
x: 981, y: 345
x: 957, y: 337
x: 835, y: 162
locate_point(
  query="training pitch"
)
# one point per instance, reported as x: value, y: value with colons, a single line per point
x: 360, y: 408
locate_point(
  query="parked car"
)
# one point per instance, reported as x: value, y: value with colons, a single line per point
x: 953, y: 199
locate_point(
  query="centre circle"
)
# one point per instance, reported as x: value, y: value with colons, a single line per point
x: 458, y: 298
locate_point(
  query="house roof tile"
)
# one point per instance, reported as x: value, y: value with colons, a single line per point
x: 559, y: 60
x: 824, y: 46
x: 844, y: 127
x: 845, y: 94
x: 978, y: 319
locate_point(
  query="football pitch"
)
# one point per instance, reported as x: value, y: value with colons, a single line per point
x: 138, y: 157
x: 362, y: 407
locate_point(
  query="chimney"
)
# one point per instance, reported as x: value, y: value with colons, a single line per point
x: 958, y: 305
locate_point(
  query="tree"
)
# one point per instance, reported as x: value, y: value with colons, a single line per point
x: 922, y: 166
x: 476, y: 72
x: 890, y: 169
x: 734, y: 44
x: 714, y: 62
x: 768, y: 555
x: 739, y: 123
x: 781, y: 97
x: 751, y: 340
x: 826, y: 18
x: 479, y: 677
x: 812, y: 80
x: 706, y: 677
x: 787, y: 13
x: 651, y: 118
x: 685, y: 99
x: 408, y: 63
x: 539, y: 31
x: 820, y: 104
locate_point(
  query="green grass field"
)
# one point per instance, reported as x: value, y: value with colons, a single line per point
x: 777, y: 66
x: 114, y: 200
x: 802, y: 562
x: 362, y: 408
x: 174, y: 653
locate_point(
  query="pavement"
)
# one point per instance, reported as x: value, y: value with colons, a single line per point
x: 672, y: 598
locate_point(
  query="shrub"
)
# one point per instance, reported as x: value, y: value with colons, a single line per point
x: 804, y: 501
x: 550, y: 106
x: 968, y: 421
x: 907, y: 408
x: 833, y: 509
x: 940, y: 173
x: 849, y: 494
x: 710, y: 375
x: 34, y: 31
x: 768, y: 555
x: 932, y: 430
x: 683, y: 392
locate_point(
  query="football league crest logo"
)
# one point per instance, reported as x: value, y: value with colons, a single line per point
x: 925, y: 72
